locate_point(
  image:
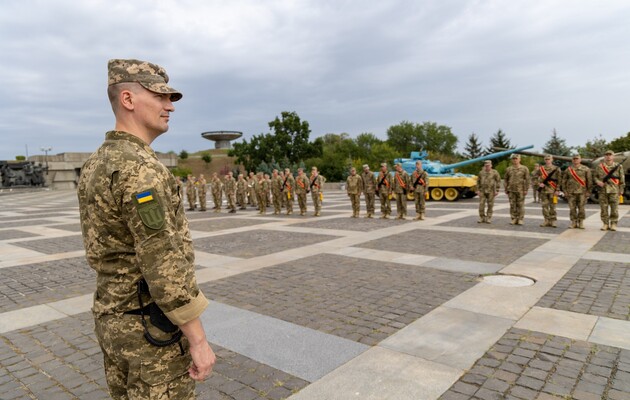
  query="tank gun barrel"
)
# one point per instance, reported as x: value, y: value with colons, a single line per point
x: 448, y: 167
x: 586, y: 161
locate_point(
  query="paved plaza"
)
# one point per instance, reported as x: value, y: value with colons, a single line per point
x: 333, y: 307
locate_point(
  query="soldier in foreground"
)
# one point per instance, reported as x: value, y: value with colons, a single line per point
x: 384, y: 190
x: 576, y: 185
x: 368, y: 189
x: 546, y: 179
x: 146, y: 265
x: 202, y: 188
x: 400, y: 186
x: 516, y: 187
x: 419, y: 186
x: 611, y: 179
x: 316, y: 185
x: 353, y: 189
x: 488, y: 185
x: 301, y: 189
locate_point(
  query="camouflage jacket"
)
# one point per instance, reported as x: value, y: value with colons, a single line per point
x: 316, y: 183
x: 201, y: 186
x: 241, y: 186
x: 488, y: 182
x: 302, y: 184
x: 423, y: 182
x: 354, y: 184
x: 229, y: 187
x: 384, y: 182
x: 216, y: 186
x: 276, y: 184
x: 539, y: 177
x: 369, y: 183
x: 134, y: 226
x: 289, y: 184
x: 610, y: 186
x: 261, y: 187
x: 576, y: 180
x: 517, y: 179
x: 400, y: 182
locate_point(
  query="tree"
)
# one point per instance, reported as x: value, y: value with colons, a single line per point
x: 407, y: 137
x: 593, y: 148
x: 183, y: 154
x: 207, y: 158
x: 473, y: 147
x: 620, y: 144
x: 556, y: 146
x: 500, y: 140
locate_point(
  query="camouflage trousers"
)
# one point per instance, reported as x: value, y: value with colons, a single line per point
x: 609, y: 201
x: 536, y: 193
x: 289, y: 201
x: 548, y: 206
x: 386, y: 207
x: 191, y: 200
x: 277, y: 202
x: 486, y: 204
x: 302, y: 201
x: 217, y: 199
x: 420, y: 201
x: 262, y: 202
x: 355, y: 199
x: 317, y: 202
x: 135, y: 369
x: 253, y: 200
x: 517, y: 205
x: 576, y: 206
x: 241, y: 198
x: 369, y: 202
x: 401, y: 204
x: 202, y: 201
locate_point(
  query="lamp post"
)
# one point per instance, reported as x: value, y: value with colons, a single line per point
x: 46, y: 150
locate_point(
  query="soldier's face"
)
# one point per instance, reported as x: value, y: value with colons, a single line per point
x: 488, y: 167
x: 608, y: 157
x: 548, y: 161
x: 153, y: 110
x: 577, y: 161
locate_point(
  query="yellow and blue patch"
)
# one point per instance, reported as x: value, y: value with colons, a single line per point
x: 144, y: 197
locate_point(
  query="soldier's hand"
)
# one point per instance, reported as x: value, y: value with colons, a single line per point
x: 203, y: 361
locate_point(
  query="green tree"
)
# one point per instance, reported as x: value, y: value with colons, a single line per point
x: 500, y: 140
x: 473, y: 147
x: 407, y: 137
x: 20, y: 158
x: 207, y: 158
x: 593, y: 148
x: 620, y: 144
x: 183, y: 154
x: 556, y: 146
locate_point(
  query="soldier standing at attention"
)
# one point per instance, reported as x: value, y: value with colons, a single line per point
x: 611, y: 179
x: 251, y: 190
x: 261, y: 187
x: 420, y: 185
x: 268, y: 192
x: 230, y: 191
x: 288, y: 187
x: 546, y: 179
x: 301, y: 189
x: 516, y: 186
x: 353, y: 188
x: 534, y: 180
x: 241, y: 192
x: 384, y: 190
x: 488, y: 184
x: 368, y: 189
x: 400, y: 186
x: 146, y: 265
x: 276, y: 191
x: 216, y: 185
x: 576, y: 183
x: 201, y: 191
x: 316, y: 183
x: 191, y: 194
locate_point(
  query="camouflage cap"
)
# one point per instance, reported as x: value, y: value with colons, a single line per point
x: 151, y: 76
x: 398, y: 165
x: 365, y: 166
x: 548, y: 157
x: 514, y: 155
x: 487, y: 162
x: 383, y: 164
x: 609, y: 152
x: 575, y: 155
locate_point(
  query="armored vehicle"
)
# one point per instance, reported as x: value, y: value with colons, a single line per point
x: 21, y: 173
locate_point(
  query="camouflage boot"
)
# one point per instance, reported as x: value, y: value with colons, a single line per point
x: 519, y: 222
x: 613, y: 226
x: 513, y: 222
x: 481, y: 220
x: 421, y: 216
x: 488, y: 220
x: 604, y: 227
x: 553, y: 224
x: 581, y: 224
x: 574, y: 225
x: 544, y: 224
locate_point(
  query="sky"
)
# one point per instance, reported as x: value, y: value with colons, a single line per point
x: 526, y: 67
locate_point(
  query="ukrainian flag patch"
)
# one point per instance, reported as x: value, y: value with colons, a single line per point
x: 144, y: 197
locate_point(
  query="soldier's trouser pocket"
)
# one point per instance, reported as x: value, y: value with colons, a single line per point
x: 167, y: 379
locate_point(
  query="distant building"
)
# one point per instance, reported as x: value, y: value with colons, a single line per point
x: 222, y: 139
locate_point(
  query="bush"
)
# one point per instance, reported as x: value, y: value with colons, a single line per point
x: 183, y: 154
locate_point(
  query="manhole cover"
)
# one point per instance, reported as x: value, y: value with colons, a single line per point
x: 508, y: 280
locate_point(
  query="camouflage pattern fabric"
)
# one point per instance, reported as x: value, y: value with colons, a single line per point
x: 241, y: 192
x: 191, y: 193
x: 289, y: 192
x: 251, y: 190
x: 316, y: 188
x: 517, y: 181
x: 488, y: 184
x: 369, y: 190
x: 151, y: 76
x: 400, y: 185
x: 261, y: 187
x: 301, y: 188
x: 575, y: 192
x: 354, y: 183
x: 202, y: 189
x: 420, y: 189
x: 384, y: 192
x: 217, y: 196
x: 276, y: 191
x: 229, y: 187
x: 547, y: 194
x: 609, y: 194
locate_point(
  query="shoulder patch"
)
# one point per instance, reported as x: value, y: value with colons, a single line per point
x: 149, y: 209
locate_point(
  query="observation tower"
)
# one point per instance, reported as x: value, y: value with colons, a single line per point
x: 222, y: 139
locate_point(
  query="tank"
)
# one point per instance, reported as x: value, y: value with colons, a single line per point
x: 20, y: 174
x: 444, y: 182
x: 622, y: 158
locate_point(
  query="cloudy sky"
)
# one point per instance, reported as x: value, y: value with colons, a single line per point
x: 523, y: 66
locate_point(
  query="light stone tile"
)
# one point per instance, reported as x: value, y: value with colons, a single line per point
x: 25, y: 317
x: 449, y: 336
x: 558, y: 322
x: 472, y: 267
x: 213, y: 273
x: 602, y: 256
x: 383, y: 374
x: 213, y: 260
x: 27, y: 256
x: 74, y: 305
x: 611, y: 332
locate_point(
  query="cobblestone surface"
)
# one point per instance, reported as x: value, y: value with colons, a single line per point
x: 55, y: 245
x: 62, y: 360
x: 614, y: 242
x: 532, y: 365
x: 593, y: 287
x: 20, y: 223
x: 33, y: 284
x: 482, y: 248
x: 256, y: 243
x: 503, y: 223
x: 221, y: 224
x: 32, y: 216
x: 361, y: 300
x: 15, y: 234
x: 68, y: 227
x: 352, y: 224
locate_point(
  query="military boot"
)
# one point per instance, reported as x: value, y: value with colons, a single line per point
x: 553, y: 224
x: 513, y: 221
x: 574, y: 225
x: 581, y: 224
x: 417, y: 217
x: 519, y: 222
x: 544, y: 224
x: 613, y: 226
x: 488, y: 220
x: 421, y: 216
x: 386, y: 216
x: 481, y: 220
x: 604, y: 227
x: 370, y: 215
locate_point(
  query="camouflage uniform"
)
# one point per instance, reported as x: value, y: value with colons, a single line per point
x: 229, y: 187
x: 268, y: 192
x: 546, y: 195
x: 241, y: 192
x: 488, y: 185
x: 261, y: 185
x: 216, y: 192
x: 134, y: 227
x: 201, y: 191
x: 301, y: 189
x: 316, y: 184
x: 384, y: 190
x: 276, y: 191
x: 534, y: 181
x: 368, y: 189
x: 516, y: 185
x: 419, y: 186
x: 191, y: 193
x: 353, y: 188
x: 251, y: 190
x: 610, y: 192
x: 575, y: 184
x: 289, y: 191
x: 400, y: 186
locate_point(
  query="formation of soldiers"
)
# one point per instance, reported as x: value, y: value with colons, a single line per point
x: 548, y: 181
x: 257, y: 190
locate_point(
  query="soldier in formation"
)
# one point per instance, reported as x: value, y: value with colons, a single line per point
x: 191, y: 192
x: 368, y: 189
x: 229, y: 188
x: 400, y: 187
x: 316, y: 186
x: 546, y: 179
x: 419, y: 186
x: 288, y: 190
x: 217, y: 189
x: 301, y: 189
x: 261, y: 185
x: 384, y: 191
x: 576, y: 185
x: 276, y: 191
x: 516, y: 186
x: 241, y: 192
x: 534, y: 182
x: 354, y: 183
x: 268, y: 192
x: 610, y: 177
x: 201, y: 192
x: 251, y: 190
x: 488, y: 185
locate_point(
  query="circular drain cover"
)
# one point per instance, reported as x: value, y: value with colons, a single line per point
x: 508, y: 280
